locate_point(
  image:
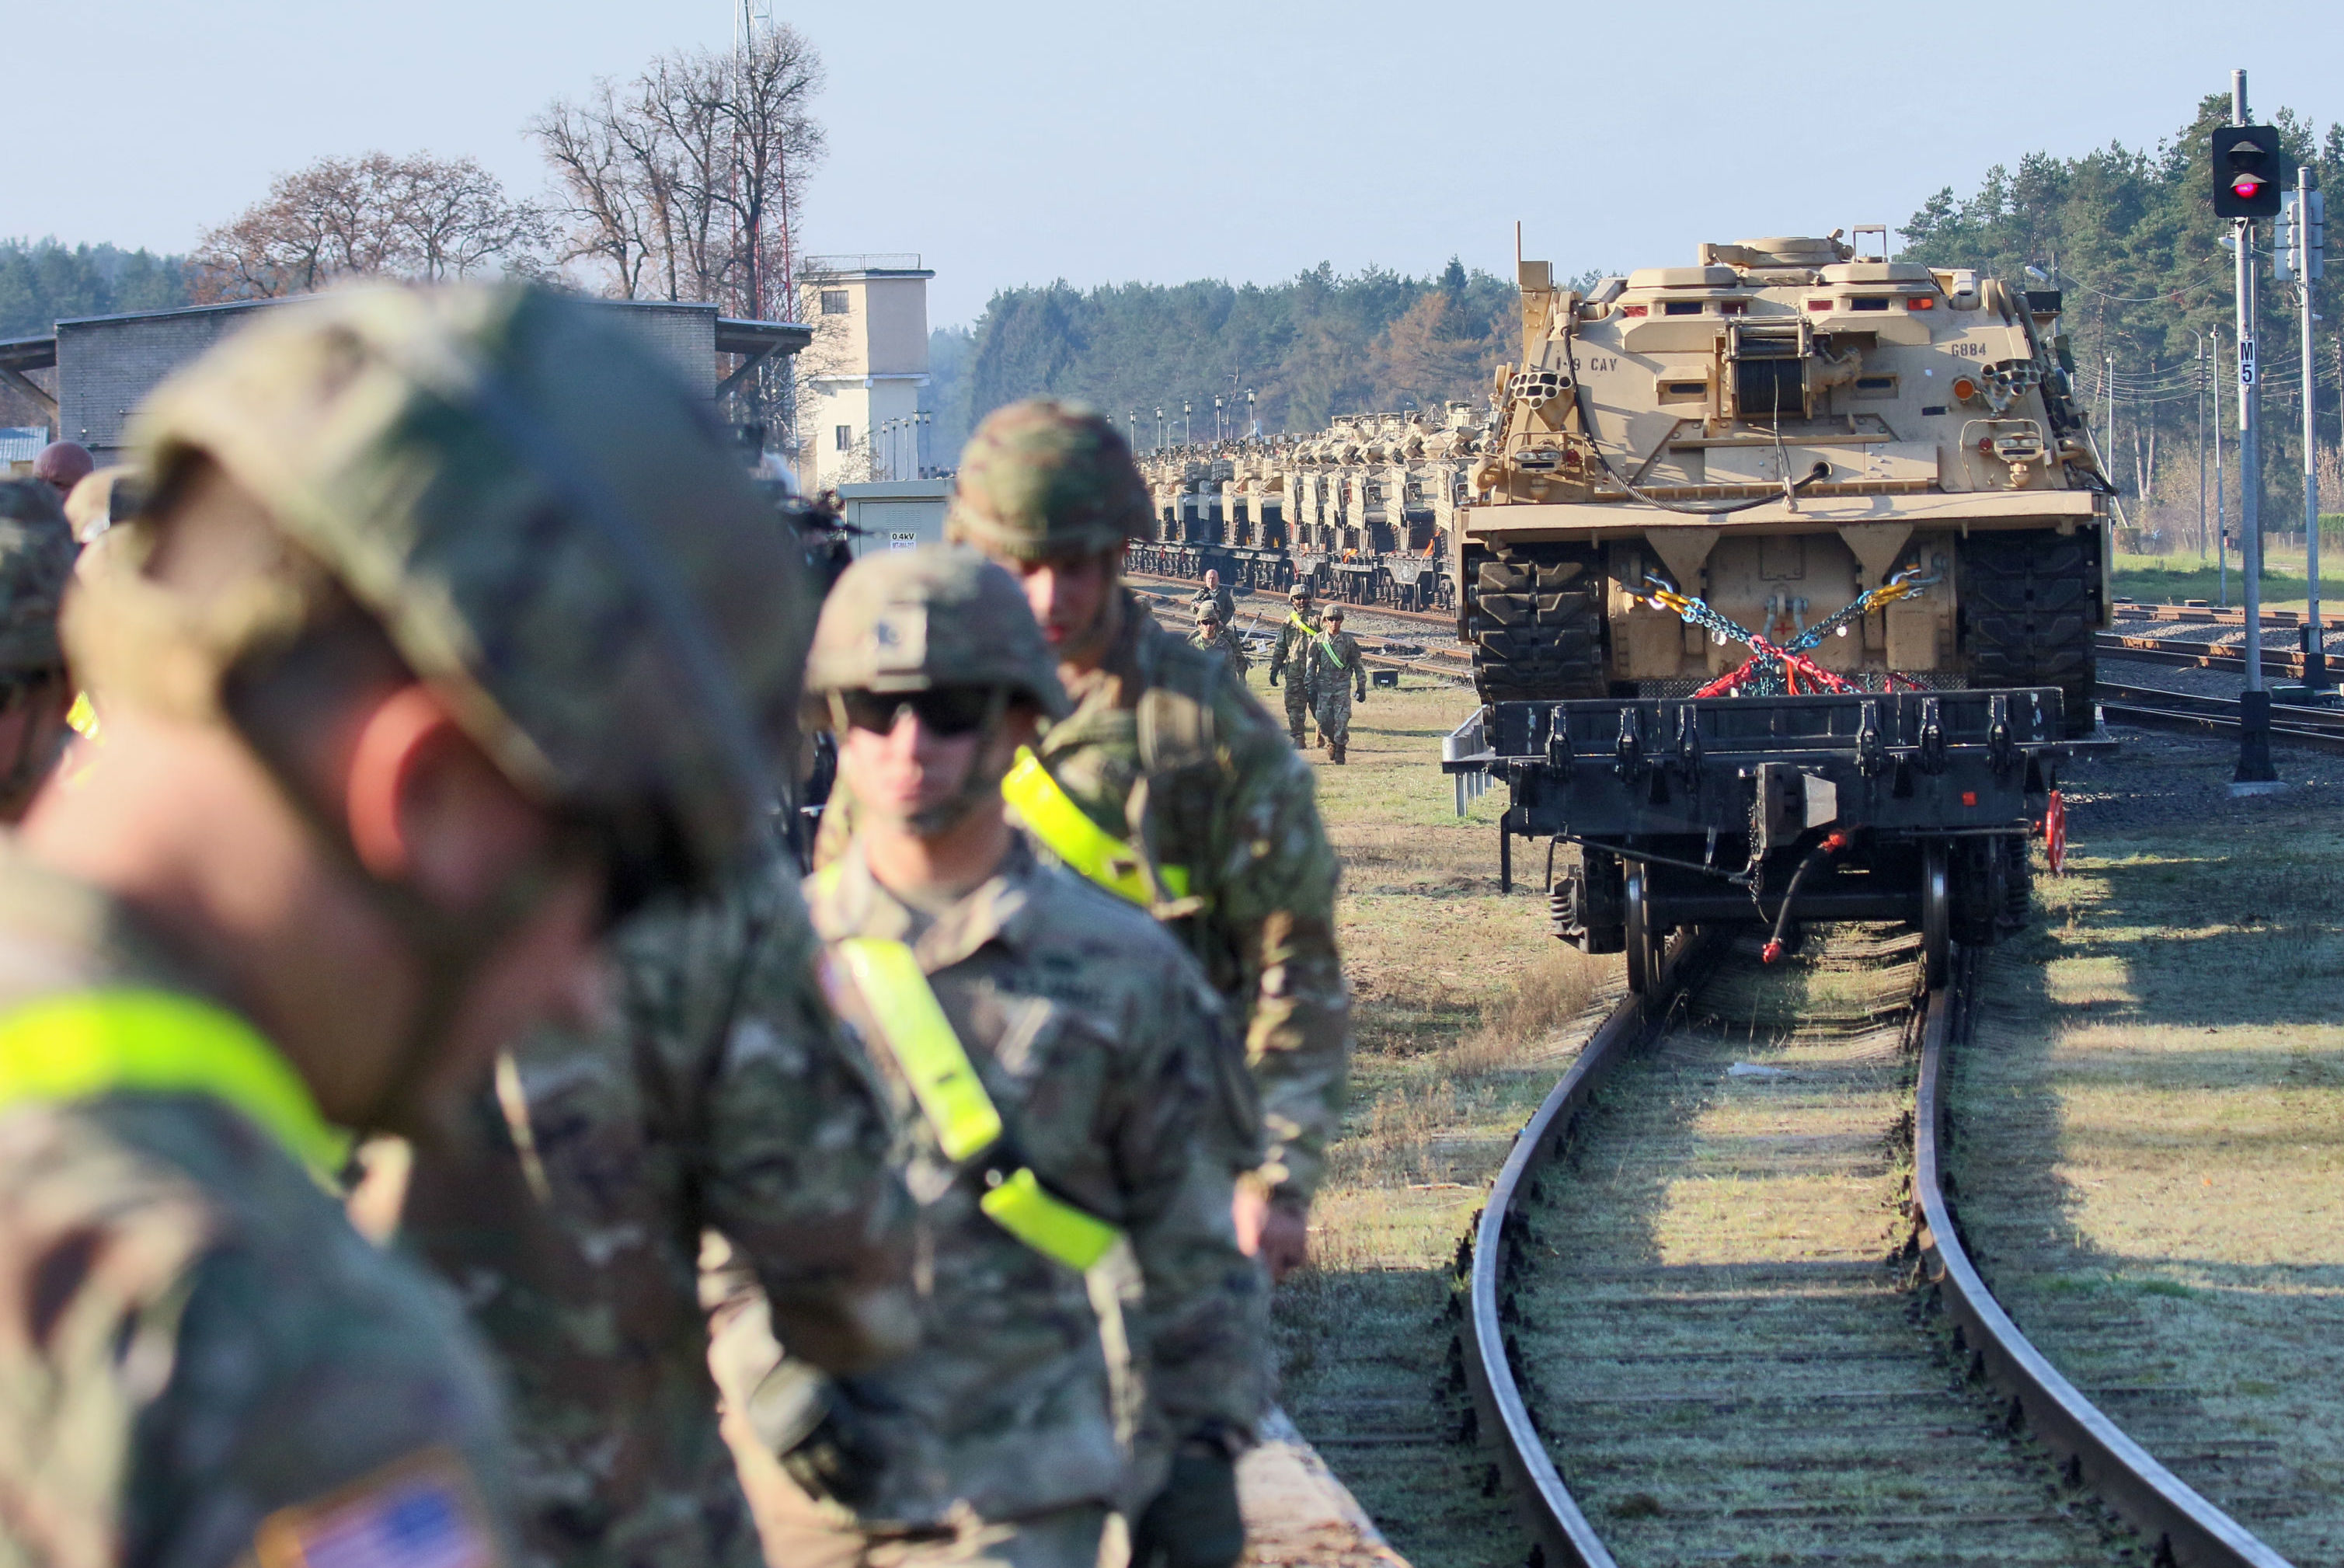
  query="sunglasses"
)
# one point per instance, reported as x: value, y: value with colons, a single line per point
x: 944, y: 710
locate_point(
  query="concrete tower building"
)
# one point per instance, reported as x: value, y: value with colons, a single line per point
x: 863, y: 370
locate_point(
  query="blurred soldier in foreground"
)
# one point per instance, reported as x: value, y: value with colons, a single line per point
x: 1168, y: 787
x: 1291, y: 659
x: 1052, y: 1050
x: 1337, y: 671
x: 1215, y: 635
x: 61, y: 465
x: 1219, y: 598
x: 399, y: 705
x: 36, y: 562
x: 718, y: 1097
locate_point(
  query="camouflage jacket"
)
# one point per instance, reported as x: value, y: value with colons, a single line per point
x: 1334, y: 662
x: 1220, y: 599
x: 1227, y: 643
x: 721, y: 1097
x: 1231, y: 802
x: 1291, y: 657
x: 206, y: 1364
x: 1093, y: 1035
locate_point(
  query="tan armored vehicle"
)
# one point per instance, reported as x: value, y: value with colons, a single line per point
x: 1773, y: 432
x: 1363, y: 510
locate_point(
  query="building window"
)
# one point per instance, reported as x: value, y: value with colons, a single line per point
x: 845, y: 435
x: 834, y: 301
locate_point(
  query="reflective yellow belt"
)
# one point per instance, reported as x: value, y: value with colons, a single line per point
x: 1081, y: 843
x: 1311, y: 632
x: 962, y: 1115
x: 83, y: 1044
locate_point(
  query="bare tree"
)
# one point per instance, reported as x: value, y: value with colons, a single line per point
x: 417, y: 217
x: 686, y: 182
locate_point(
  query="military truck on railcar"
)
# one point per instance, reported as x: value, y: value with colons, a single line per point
x: 1774, y: 431
x: 1781, y: 574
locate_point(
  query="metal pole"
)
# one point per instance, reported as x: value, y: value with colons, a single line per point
x: 2255, y: 774
x: 2315, y: 653
x: 2221, y: 494
x: 2201, y: 448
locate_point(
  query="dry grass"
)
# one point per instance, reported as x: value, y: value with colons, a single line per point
x: 2151, y: 1159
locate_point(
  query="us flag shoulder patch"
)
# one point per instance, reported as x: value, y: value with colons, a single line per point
x: 419, y: 1513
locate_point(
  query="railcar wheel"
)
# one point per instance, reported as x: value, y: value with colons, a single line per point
x: 1936, y: 915
x: 1647, y: 943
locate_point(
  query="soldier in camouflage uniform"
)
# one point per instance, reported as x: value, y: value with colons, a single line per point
x: 1168, y: 786
x: 1223, y: 602
x: 718, y: 1100
x: 1337, y: 671
x: 37, y: 560
x: 1291, y: 659
x: 1215, y: 635
x: 1094, y: 1045
x: 401, y: 703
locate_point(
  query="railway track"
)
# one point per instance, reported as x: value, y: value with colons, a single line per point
x: 1725, y: 1313
x: 2318, y: 729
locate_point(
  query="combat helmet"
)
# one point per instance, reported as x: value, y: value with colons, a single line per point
x: 1043, y: 479
x: 916, y: 620
x: 544, y: 521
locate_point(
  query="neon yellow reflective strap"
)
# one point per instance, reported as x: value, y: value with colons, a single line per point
x: 912, y: 1024
x: 1085, y: 846
x: 1023, y: 1206
x: 943, y: 1079
x: 84, y: 1044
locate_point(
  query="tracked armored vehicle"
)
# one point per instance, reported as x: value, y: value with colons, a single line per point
x: 1362, y: 510
x: 1781, y: 574
x: 1774, y: 432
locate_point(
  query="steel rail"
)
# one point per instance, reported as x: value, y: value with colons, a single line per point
x: 2184, y: 1528
x: 2200, y: 716
x: 1565, y: 1538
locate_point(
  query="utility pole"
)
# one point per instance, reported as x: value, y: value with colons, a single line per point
x: 2301, y: 257
x: 2222, y: 496
x: 2201, y: 448
x: 2255, y: 774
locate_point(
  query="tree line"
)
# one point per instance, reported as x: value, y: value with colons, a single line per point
x: 1320, y: 344
x: 2130, y: 236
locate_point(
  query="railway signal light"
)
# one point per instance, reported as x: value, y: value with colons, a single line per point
x: 2246, y: 171
x: 2299, y: 249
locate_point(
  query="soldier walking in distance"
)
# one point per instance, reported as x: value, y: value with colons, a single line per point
x: 1167, y: 785
x: 401, y: 703
x: 1215, y: 635
x: 1337, y: 671
x: 36, y: 562
x: 1291, y: 659
x: 1052, y: 1051
x: 1218, y: 597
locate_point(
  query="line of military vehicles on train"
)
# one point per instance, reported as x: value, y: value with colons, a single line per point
x: 1779, y: 573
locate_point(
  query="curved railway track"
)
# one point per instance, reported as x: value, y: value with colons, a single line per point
x: 1767, y: 1341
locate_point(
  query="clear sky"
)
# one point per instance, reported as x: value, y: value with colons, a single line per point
x: 1017, y: 142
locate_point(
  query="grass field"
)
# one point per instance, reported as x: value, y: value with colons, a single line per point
x: 2150, y: 1155
x: 2172, y: 579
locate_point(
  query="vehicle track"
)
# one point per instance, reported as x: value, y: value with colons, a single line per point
x: 1726, y: 1328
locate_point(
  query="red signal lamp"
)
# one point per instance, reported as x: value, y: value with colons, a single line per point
x: 2248, y: 186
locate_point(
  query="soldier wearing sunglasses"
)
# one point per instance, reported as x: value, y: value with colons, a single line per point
x: 1050, y: 1051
